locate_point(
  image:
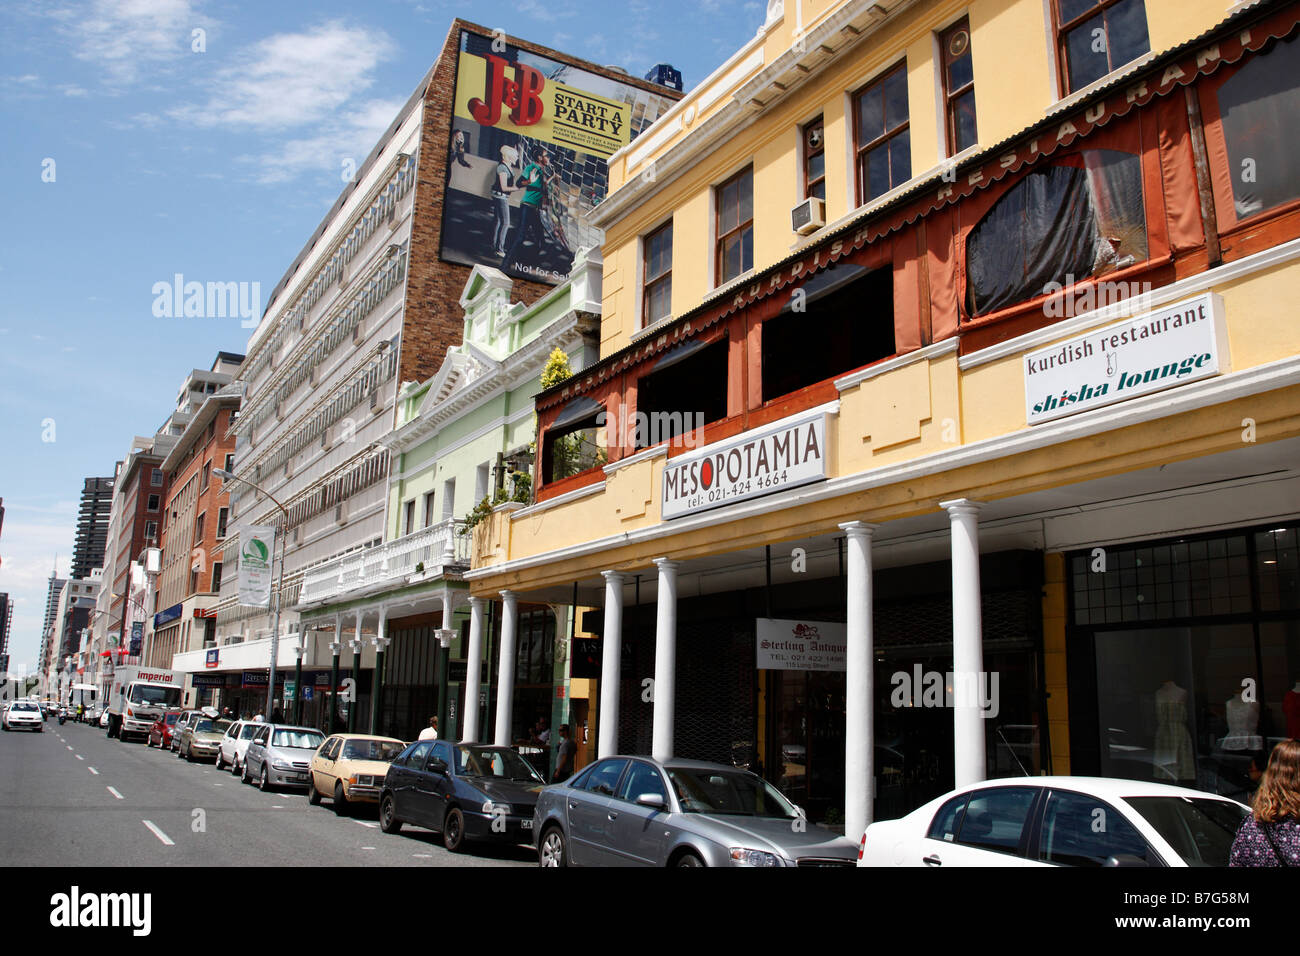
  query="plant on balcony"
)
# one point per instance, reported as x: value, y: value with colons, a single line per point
x: 521, y: 491
x: 419, y: 567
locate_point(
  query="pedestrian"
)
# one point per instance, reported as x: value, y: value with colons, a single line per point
x: 258, y: 719
x: 1270, y: 836
x: 564, y: 755
x: 277, y: 715
x: 430, y: 732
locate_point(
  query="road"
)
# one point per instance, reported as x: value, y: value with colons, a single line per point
x: 70, y: 796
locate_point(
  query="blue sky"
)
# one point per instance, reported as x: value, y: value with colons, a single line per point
x: 136, y: 149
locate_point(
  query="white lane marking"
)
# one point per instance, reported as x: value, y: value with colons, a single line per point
x: 79, y: 757
x: 277, y: 806
x: 219, y: 784
x: 114, y: 793
x: 423, y: 856
x: 69, y: 746
x: 93, y: 770
x: 367, y: 848
x: 364, y: 823
x: 168, y: 841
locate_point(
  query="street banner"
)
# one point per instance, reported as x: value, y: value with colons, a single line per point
x: 256, y: 549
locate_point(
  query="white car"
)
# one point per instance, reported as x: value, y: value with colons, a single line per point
x: 103, y: 719
x: 1059, y: 821
x: 234, y: 745
x: 23, y: 715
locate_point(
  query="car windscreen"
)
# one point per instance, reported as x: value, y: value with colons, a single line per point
x: 170, y: 718
x: 1201, y: 831
x: 20, y: 706
x: 206, y: 725
x: 499, y: 762
x: 384, y: 750
x: 728, y: 792
x: 152, y: 694
x: 300, y: 739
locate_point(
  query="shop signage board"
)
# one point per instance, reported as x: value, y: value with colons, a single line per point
x: 212, y: 657
x: 760, y: 462
x: 254, y: 679
x: 1180, y: 343
x: 256, y: 548
x: 784, y: 645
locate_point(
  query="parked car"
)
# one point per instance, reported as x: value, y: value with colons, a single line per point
x: 184, y: 720
x: 201, y: 738
x: 636, y: 811
x: 235, y: 744
x: 103, y: 718
x: 280, y: 756
x: 465, y: 791
x: 351, y: 768
x: 23, y: 715
x: 162, y: 729
x: 1059, y: 821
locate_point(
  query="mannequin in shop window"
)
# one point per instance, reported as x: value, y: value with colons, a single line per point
x: 1243, y: 724
x: 1175, y: 754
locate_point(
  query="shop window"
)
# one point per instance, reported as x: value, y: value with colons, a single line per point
x: 1257, y: 107
x: 657, y: 270
x: 735, y: 226
x: 574, y: 442
x: 843, y: 320
x: 814, y: 160
x: 1097, y: 37
x: 958, y: 86
x: 884, y: 145
x: 1083, y: 216
x: 686, y: 389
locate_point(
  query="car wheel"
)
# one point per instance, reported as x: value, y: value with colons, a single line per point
x: 453, y: 830
x: 264, y: 784
x: 689, y: 859
x: 553, y: 851
x: 235, y: 767
x: 340, y: 801
x: 388, y: 821
x: 313, y: 795
x: 244, y: 777
x: 218, y: 764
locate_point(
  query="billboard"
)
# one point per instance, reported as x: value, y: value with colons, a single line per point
x: 530, y: 136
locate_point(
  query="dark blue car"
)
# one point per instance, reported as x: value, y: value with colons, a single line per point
x: 465, y: 791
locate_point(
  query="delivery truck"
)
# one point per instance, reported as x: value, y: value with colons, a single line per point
x: 138, y: 697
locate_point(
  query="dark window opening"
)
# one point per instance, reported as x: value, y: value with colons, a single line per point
x: 1080, y: 217
x: 843, y: 320
x: 686, y: 389
x: 1097, y: 37
x: 575, y: 440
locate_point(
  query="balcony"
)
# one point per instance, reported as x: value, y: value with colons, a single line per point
x: 392, y: 564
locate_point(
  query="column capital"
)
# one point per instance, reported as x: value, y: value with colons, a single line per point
x: 858, y: 529
x: 299, y: 650
x: 510, y: 597
x: 614, y: 577
x: 961, y: 506
x: 477, y: 603
x: 335, y: 647
x: 357, y: 645
x: 382, y: 642
x: 666, y: 564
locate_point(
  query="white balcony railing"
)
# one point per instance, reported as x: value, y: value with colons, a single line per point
x: 433, y: 547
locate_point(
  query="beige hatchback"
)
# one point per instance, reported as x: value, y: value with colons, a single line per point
x: 350, y: 768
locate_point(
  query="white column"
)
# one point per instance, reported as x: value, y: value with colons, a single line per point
x: 473, y: 667
x: 506, y: 667
x: 665, y: 685
x: 610, y: 662
x: 967, y: 643
x: 859, y: 731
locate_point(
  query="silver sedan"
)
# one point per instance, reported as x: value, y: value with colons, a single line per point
x: 637, y: 811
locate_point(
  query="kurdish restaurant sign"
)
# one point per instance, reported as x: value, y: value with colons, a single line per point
x: 1182, y: 343
x: 766, y: 460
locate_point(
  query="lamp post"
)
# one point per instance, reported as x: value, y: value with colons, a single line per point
x: 279, y: 586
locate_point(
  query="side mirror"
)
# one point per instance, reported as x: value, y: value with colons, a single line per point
x: 438, y: 766
x: 1125, y: 860
x: 654, y: 800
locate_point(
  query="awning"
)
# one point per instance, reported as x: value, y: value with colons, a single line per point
x: 577, y: 410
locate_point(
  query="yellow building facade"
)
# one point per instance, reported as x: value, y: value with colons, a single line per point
x: 948, y: 408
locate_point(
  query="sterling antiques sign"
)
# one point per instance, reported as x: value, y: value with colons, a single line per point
x: 256, y: 547
x: 785, y: 455
x: 1171, y: 346
x: 801, y: 645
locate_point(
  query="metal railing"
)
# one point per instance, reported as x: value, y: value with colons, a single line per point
x: 432, y: 548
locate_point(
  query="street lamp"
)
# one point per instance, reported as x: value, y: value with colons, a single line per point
x: 279, y: 586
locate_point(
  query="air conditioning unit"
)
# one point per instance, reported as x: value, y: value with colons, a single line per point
x: 808, y: 216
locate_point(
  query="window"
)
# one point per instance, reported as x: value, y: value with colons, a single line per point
x: 154, y: 501
x: 685, y: 390
x: 1097, y: 37
x: 735, y: 226
x: 194, y: 580
x: 408, y: 522
x: 605, y: 777
x: 198, y: 530
x: 573, y: 441
x: 230, y: 463
x: 642, y: 778
x: 852, y: 310
x: 428, y: 508
x: 1081, y: 216
x: 1084, y: 831
x: 947, y: 821
x: 657, y: 270
x: 216, y: 576
x: 415, y: 755
x: 814, y: 160
x: 1255, y: 105
x: 449, y: 498
x: 880, y: 130
x: 995, y: 819
x: 223, y: 515
x: 958, y: 86
x: 157, y: 478
x: 481, y: 481
x: 206, y: 475
x: 151, y: 530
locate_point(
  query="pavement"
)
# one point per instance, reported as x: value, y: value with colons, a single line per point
x: 71, y: 796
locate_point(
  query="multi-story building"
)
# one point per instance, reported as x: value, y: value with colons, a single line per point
x: 372, y: 300
x: 49, y: 636
x: 969, y: 334
x: 92, y: 526
x: 6, y: 620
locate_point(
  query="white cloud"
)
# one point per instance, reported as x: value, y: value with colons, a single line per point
x: 348, y: 136
x: 129, y: 38
x: 292, y: 79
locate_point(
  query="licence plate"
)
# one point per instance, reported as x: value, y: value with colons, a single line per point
x: 526, y: 824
